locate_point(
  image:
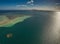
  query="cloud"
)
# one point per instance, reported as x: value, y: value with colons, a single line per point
x: 21, y: 5
x: 31, y: 2
x: 37, y: 7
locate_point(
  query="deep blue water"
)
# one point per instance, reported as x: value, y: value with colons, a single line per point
x: 27, y: 32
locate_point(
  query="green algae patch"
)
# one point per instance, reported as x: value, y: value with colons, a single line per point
x: 15, y: 21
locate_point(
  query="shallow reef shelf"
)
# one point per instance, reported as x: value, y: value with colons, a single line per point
x: 15, y: 21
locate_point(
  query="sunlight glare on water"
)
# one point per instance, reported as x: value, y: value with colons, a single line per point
x: 51, y: 33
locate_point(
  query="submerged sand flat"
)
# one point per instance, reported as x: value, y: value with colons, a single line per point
x: 6, y: 21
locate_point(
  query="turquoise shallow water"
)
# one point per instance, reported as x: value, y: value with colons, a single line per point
x: 27, y: 32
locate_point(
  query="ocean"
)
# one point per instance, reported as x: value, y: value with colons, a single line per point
x: 34, y: 30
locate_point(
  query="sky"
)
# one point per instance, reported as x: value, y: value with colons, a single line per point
x: 27, y: 4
